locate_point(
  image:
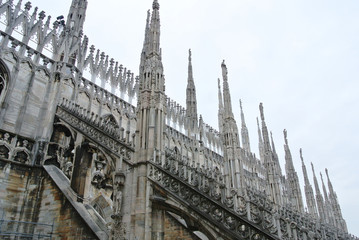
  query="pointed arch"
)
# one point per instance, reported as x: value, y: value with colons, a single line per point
x: 109, y: 119
x: 4, y: 80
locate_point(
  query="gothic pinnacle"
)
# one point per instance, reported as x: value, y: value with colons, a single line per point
x: 190, y: 69
x: 154, y: 33
x: 228, y: 113
x: 191, y: 99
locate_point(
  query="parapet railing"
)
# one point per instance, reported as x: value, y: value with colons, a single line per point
x: 245, y: 214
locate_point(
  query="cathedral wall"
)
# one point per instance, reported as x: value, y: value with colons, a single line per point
x: 25, y: 96
x: 28, y: 194
x: 174, y: 230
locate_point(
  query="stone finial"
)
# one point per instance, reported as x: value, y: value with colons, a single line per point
x: 102, y: 56
x: 155, y: 5
x: 28, y: 6
x: 189, y: 55
x: 55, y: 24
x: 42, y: 15
x: 48, y: 21
x: 92, y: 49
x: 33, y: 16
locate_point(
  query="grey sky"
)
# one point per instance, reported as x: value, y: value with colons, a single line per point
x: 300, y: 58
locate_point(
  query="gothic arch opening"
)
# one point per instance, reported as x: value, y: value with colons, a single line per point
x: 4, y: 79
x: 61, y: 149
x: 187, y: 219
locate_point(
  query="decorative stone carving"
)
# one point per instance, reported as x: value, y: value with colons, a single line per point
x: 15, y: 148
x: 111, y: 141
x: 118, y: 230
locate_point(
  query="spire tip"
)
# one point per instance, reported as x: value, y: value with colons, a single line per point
x: 261, y: 111
x: 285, y: 136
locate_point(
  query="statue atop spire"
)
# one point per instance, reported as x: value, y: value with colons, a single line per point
x: 151, y: 67
x: 151, y: 45
x: 224, y: 71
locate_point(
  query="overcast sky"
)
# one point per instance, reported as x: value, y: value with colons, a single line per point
x: 299, y: 57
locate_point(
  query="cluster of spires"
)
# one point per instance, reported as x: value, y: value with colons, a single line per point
x: 325, y: 208
x: 283, y: 190
x: 152, y: 79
